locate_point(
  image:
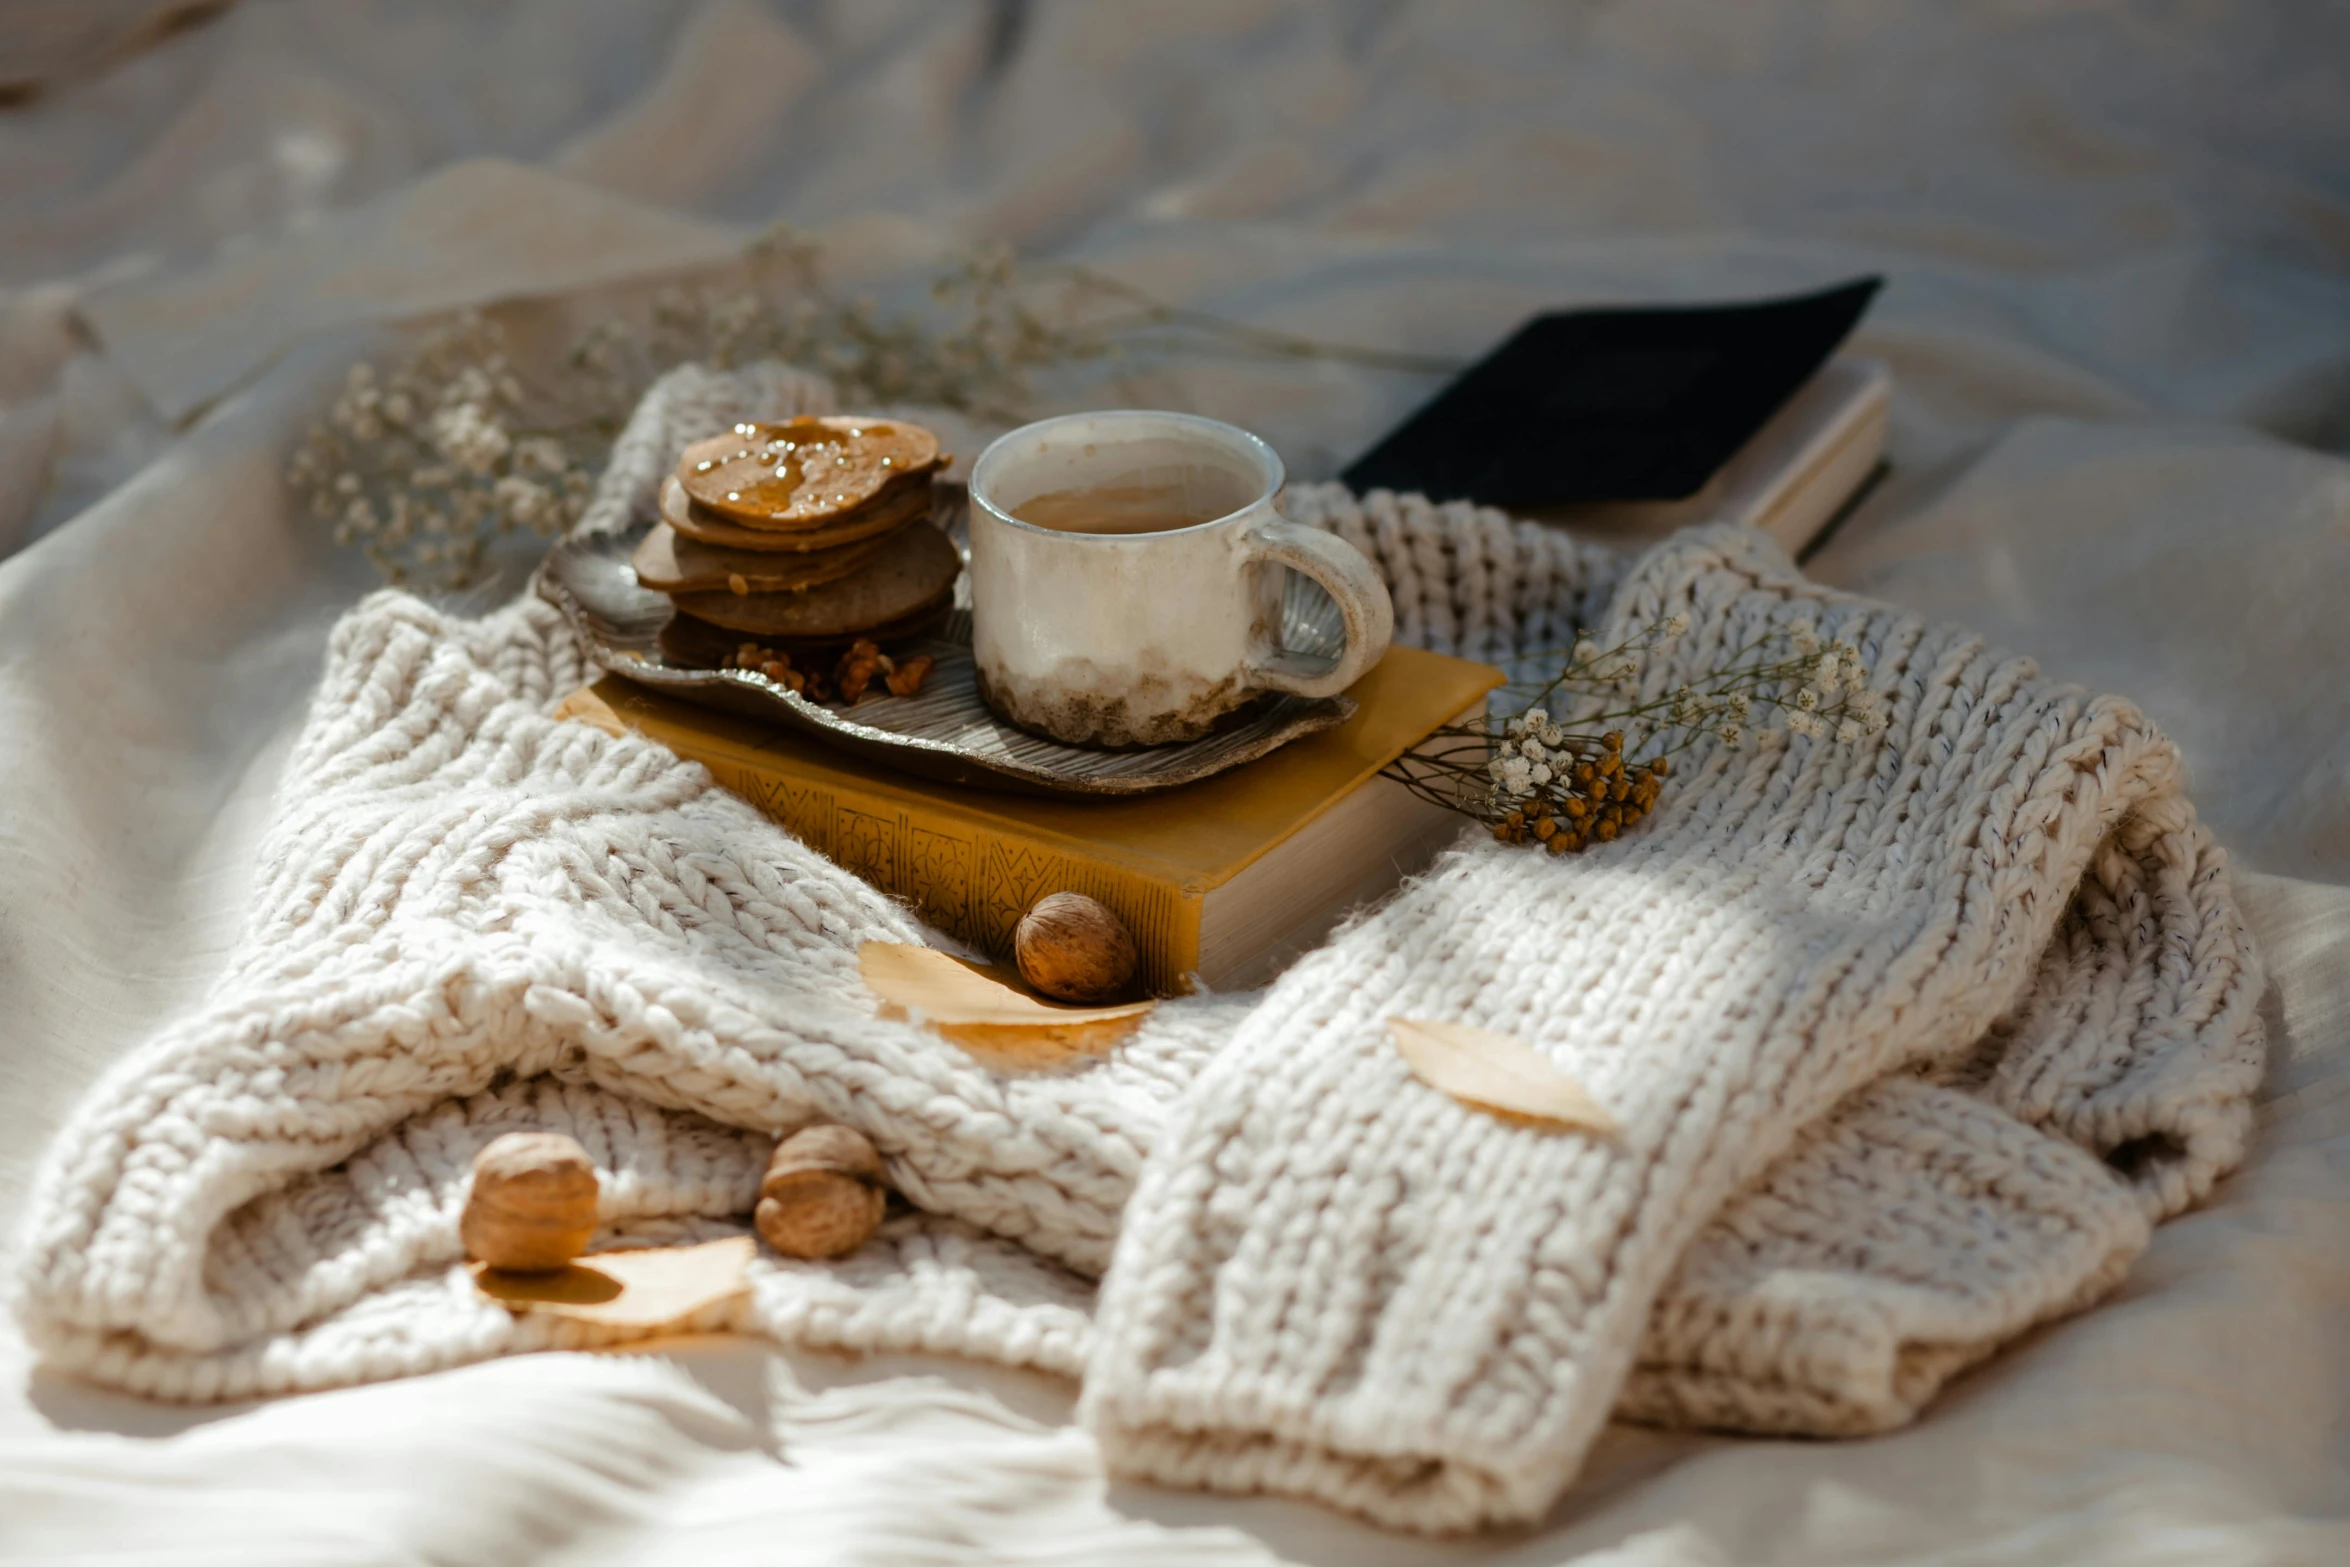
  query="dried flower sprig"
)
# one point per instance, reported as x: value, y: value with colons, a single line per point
x: 992, y: 322
x: 425, y: 465
x: 1529, y: 777
x: 973, y: 351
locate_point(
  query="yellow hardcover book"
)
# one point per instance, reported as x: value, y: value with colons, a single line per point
x: 1226, y: 879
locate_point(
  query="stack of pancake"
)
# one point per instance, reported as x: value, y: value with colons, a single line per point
x: 804, y: 536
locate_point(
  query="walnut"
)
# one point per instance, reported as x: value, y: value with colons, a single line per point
x: 856, y: 670
x: 1073, y: 949
x: 824, y: 1193
x: 533, y: 1203
x: 905, y: 679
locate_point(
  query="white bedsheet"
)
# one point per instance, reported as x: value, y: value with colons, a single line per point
x: 2118, y: 240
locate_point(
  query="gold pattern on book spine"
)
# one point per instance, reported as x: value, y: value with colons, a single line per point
x: 973, y: 886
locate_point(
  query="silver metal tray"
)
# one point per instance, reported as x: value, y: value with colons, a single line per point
x: 943, y: 731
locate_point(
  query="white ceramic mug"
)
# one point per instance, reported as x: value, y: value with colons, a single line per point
x: 1148, y: 634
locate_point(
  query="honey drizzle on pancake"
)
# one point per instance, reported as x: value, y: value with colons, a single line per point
x: 806, y: 469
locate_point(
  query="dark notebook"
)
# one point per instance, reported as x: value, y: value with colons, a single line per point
x: 1612, y: 405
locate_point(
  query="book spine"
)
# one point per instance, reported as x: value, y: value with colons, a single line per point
x: 971, y: 883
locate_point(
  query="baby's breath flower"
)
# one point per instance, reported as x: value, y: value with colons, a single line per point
x: 469, y: 438
x: 357, y: 419
x: 421, y: 465
x: 1573, y: 782
x: 468, y: 383
x: 539, y: 454
x: 529, y: 504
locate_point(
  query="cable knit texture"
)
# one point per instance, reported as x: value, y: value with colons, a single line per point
x: 1910, y: 1044
x: 2001, y: 929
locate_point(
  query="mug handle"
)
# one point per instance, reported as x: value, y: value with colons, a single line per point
x: 1348, y: 578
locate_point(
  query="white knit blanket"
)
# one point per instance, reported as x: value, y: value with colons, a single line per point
x: 1910, y: 1045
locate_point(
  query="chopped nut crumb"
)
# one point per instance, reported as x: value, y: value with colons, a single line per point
x: 856, y: 670
x: 907, y: 678
x: 860, y: 670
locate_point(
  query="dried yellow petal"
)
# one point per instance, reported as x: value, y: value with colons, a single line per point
x: 628, y: 1289
x: 988, y: 1011
x: 1496, y: 1072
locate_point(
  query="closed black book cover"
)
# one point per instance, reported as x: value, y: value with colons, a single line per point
x: 1612, y: 405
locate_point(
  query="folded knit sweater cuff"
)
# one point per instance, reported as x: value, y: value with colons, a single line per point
x: 1918, y: 1232
x: 1333, y: 1280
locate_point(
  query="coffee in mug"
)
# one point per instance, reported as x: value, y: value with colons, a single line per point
x: 1127, y: 571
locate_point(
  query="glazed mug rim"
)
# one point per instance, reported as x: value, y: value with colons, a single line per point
x: 1247, y: 443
